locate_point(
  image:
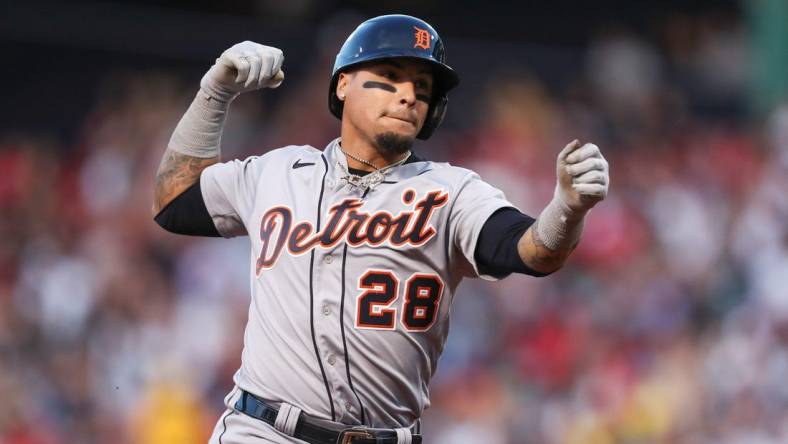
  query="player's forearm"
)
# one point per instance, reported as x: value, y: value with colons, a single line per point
x: 546, y: 245
x: 194, y: 145
x: 176, y: 173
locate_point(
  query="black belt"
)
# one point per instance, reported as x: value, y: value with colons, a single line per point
x: 314, y: 434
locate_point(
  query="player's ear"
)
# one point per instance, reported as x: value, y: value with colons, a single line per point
x: 342, y: 85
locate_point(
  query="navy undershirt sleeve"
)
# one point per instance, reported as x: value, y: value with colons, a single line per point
x: 496, y: 249
x: 187, y: 214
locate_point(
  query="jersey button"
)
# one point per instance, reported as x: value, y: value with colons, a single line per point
x: 332, y: 359
x: 328, y: 259
x: 330, y: 183
x: 326, y: 310
x: 348, y: 406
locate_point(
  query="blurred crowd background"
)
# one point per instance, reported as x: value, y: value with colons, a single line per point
x: 668, y: 325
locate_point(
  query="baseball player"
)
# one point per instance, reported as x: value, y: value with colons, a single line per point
x: 356, y: 249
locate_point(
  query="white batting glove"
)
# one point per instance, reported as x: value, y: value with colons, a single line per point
x: 246, y: 66
x: 583, y: 177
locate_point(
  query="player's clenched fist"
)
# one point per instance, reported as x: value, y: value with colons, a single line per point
x: 245, y: 66
x: 582, y: 176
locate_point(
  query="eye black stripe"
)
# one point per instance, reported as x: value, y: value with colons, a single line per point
x: 380, y: 85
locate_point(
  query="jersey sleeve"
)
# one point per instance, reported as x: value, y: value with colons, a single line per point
x: 475, y: 202
x: 228, y: 190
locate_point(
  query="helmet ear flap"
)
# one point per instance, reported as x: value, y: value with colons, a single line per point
x: 434, y: 118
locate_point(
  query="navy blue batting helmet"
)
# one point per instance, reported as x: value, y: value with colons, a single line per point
x: 397, y: 36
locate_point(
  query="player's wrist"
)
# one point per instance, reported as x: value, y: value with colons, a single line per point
x: 559, y: 225
x: 563, y: 206
x: 215, y: 92
x: 199, y: 132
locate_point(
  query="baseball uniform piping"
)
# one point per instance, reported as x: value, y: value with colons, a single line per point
x: 312, y: 295
x: 224, y: 424
x: 344, y: 343
x: 447, y: 245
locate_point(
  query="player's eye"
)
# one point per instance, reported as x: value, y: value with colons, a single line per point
x: 422, y: 84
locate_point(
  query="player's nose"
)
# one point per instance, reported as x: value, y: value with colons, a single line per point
x: 407, y: 93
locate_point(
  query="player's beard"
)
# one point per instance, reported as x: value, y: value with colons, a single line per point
x: 391, y: 143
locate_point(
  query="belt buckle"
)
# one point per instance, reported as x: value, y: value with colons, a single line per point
x: 346, y: 436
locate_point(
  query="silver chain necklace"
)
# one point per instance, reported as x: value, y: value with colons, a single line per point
x: 357, y: 159
x: 374, y: 178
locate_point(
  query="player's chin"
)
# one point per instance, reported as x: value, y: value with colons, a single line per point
x: 394, y: 142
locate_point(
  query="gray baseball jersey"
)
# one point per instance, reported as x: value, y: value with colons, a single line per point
x: 351, y: 286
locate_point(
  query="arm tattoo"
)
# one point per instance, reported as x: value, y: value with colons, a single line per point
x: 176, y: 173
x: 537, y: 256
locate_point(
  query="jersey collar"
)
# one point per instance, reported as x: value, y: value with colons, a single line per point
x: 338, y: 168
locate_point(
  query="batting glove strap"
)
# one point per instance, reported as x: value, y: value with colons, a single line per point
x: 212, y: 91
